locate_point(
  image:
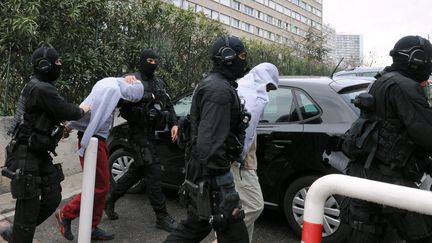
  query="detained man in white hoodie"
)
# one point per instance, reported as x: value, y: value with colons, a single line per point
x: 253, y: 90
x: 102, y: 99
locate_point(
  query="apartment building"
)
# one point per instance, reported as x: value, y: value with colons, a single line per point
x: 330, y: 43
x: 350, y: 47
x: 279, y: 21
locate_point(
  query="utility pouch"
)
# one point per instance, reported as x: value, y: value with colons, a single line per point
x: 24, y: 186
x: 143, y: 155
x: 358, y: 139
x: 10, y: 147
x: 234, y: 148
x: 59, y: 170
x: 200, y: 194
x: 39, y: 142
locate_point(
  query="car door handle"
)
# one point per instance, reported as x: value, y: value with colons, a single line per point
x: 281, y: 143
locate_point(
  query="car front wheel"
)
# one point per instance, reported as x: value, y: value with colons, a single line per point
x: 294, y: 201
x: 119, y: 162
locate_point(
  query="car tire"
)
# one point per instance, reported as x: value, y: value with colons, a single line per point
x: 119, y: 162
x: 335, y: 231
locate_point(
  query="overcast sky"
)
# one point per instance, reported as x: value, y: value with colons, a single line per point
x: 380, y: 22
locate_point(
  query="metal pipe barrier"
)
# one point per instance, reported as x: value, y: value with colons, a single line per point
x: 87, y: 192
x: 408, y: 198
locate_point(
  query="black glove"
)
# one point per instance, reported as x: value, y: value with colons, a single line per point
x: 229, y: 198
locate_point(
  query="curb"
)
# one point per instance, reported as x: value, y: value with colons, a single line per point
x: 70, y: 187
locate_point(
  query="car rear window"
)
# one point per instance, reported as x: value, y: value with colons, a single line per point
x: 348, y: 97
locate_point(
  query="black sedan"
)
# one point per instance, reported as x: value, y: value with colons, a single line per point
x: 293, y: 135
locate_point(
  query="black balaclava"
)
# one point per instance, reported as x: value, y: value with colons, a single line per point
x: 238, y: 67
x: 400, y: 55
x: 146, y: 68
x: 50, y: 71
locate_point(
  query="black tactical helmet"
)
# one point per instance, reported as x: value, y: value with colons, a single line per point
x: 46, y: 63
x: 225, y: 52
x: 413, y: 54
x: 226, y: 48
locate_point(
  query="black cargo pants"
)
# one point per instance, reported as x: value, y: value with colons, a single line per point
x: 146, y: 165
x: 194, y: 230
x: 41, y: 198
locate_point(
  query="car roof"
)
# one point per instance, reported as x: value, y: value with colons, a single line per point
x: 358, y: 70
x: 337, y: 84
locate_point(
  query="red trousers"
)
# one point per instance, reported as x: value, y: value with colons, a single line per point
x: 72, y: 209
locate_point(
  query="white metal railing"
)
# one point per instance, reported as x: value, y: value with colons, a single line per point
x: 87, y: 193
x: 408, y: 198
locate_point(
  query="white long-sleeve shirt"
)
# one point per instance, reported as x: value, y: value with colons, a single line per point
x: 103, y: 99
x: 252, y: 89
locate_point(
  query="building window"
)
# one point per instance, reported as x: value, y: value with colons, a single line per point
x: 245, y: 26
x: 224, y: 19
x: 270, y: 19
x: 225, y: 2
x: 303, y: 4
x: 259, y: 31
x: 207, y: 12
x: 215, y: 15
x: 248, y: 10
x: 279, y: 23
x: 261, y: 15
x: 236, y: 5
x: 279, y: 8
x: 272, y: 4
x: 235, y: 23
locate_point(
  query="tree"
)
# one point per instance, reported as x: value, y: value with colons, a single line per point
x: 314, y: 46
x: 99, y: 38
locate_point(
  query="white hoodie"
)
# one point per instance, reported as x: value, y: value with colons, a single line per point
x: 103, y: 99
x: 252, y: 89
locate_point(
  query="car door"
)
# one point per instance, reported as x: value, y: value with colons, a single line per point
x: 172, y: 158
x: 279, y: 133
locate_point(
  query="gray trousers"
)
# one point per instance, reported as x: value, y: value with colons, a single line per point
x: 251, y: 198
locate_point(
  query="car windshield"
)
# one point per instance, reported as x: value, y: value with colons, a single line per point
x: 349, y: 96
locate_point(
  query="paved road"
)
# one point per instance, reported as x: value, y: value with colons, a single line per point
x: 137, y: 224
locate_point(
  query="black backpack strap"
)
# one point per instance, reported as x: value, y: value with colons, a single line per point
x: 372, y: 152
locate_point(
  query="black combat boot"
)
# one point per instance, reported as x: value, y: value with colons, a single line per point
x: 110, y: 205
x: 166, y: 222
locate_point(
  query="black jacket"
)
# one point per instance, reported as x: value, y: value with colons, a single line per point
x: 215, y: 117
x: 43, y: 98
x: 402, y: 103
x: 155, y: 89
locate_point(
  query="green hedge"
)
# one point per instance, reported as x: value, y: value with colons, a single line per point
x: 99, y: 38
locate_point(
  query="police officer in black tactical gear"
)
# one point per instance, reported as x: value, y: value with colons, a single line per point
x: 391, y: 142
x: 218, y: 123
x: 37, y: 128
x: 151, y: 113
